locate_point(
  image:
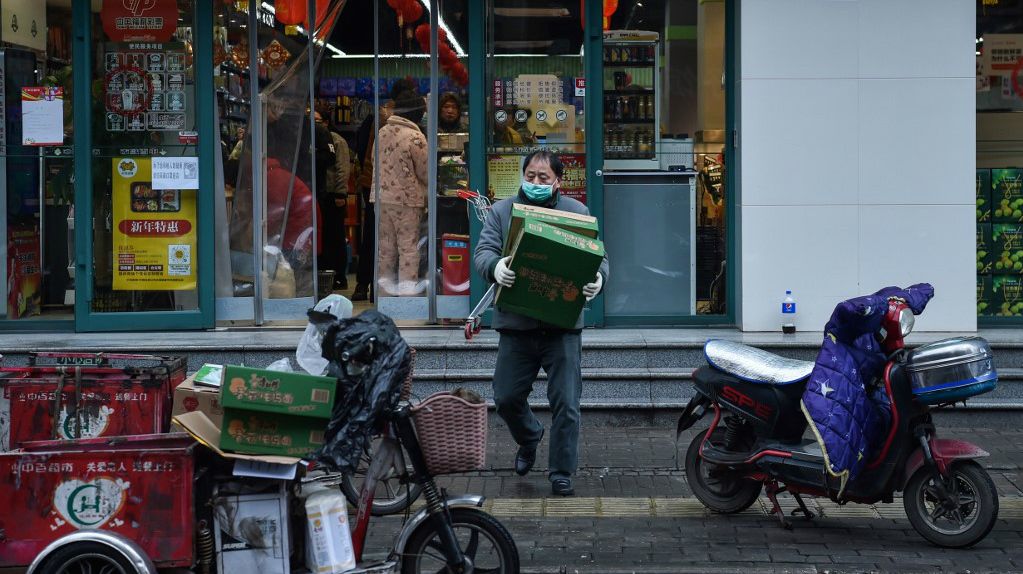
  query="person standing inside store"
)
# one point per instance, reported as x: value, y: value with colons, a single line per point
x: 332, y: 202
x: 364, y: 142
x: 401, y: 175
x: 450, y: 115
x: 525, y: 344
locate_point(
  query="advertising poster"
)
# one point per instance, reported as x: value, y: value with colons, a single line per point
x: 504, y: 175
x: 573, y: 183
x: 154, y: 231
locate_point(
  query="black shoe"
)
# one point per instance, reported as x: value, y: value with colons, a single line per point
x: 526, y: 457
x: 361, y: 293
x: 562, y: 486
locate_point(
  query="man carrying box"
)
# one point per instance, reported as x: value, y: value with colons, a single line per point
x: 526, y: 344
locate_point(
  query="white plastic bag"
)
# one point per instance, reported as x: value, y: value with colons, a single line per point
x: 309, y: 353
x: 283, y: 365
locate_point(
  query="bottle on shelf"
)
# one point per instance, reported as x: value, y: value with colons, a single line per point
x: 788, y: 314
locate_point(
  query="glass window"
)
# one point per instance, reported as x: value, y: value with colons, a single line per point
x: 664, y: 142
x: 999, y: 175
x: 36, y: 166
x: 145, y: 164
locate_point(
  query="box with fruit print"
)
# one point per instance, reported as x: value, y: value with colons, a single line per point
x: 1007, y: 195
x: 985, y: 248
x: 1008, y: 247
x: 984, y: 195
x: 1006, y: 296
x: 985, y: 294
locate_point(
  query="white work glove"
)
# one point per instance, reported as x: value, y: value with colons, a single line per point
x: 590, y: 290
x: 504, y: 276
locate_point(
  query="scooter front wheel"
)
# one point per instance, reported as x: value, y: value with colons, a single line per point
x: 970, y: 514
x: 484, y: 541
x: 720, y: 490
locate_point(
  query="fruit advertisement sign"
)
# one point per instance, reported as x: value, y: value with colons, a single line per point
x: 154, y: 231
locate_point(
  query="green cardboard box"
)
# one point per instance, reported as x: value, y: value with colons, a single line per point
x: 1006, y: 296
x: 551, y: 266
x: 984, y: 195
x: 254, y: 432
x: 985, y: 295
x: 985, y: 248
x: 277, y: 392
x: 1008, y: 247
x: 1007, y: 195
x: 585, y: 225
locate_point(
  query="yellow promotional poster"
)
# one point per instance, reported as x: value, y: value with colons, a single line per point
x: 154, y: 231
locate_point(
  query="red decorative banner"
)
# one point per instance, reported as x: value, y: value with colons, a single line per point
x: 573, y: 182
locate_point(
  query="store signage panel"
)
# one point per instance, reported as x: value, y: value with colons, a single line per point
x: 42, y: 116
x: 145, y: 86
x: 154, y: 230
x: 23, y: 23
x: 1002, y: 52
x: 142, y: 20
x: 504, y: 175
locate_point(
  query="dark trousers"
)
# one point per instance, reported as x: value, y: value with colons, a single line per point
x: 335, y: 246
x: 367, y: 243
x: 520, y: 355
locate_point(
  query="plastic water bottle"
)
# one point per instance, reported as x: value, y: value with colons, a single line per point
x: 788, y: 314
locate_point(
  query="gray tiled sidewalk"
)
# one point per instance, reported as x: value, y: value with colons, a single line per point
x: 634, y: 513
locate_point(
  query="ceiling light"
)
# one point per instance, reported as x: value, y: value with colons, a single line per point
x: 301, y: 30
x: 532, y: 12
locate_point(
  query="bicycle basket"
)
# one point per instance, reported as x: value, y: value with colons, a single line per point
x: 452, y: 433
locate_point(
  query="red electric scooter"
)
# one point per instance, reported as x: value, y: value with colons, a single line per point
x: 756, y: 438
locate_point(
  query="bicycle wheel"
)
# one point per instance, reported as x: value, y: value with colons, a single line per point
x: 482, y: 538
x: 394, y: 493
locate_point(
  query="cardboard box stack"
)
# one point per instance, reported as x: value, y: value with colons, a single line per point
x: 554, y: 253
x: 999, y: 243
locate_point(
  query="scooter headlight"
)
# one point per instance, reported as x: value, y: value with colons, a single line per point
x: 906, y: 321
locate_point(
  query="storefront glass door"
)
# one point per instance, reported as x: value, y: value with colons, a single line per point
x: 36, y: 168
x: 142, y: 221
x: 539, y: 56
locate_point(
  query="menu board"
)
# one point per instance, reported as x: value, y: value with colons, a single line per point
x: 145, y: 87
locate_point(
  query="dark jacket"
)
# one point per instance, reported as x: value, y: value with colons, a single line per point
x: 490, y: 248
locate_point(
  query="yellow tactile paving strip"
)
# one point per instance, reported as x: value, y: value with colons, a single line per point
x: 1010, y: 508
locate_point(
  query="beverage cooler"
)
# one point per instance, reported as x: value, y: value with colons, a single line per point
x: 631, y: 100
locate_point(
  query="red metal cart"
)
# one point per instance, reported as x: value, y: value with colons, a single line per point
x: 124, y: 496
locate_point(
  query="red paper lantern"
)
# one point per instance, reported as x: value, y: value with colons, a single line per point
x: 290, y: 12
x: 609, y: 8
x: 321, y: 18
x: 410, y: 11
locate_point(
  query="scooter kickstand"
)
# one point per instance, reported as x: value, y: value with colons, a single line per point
x: 807, y: 513
x: 772, y: 494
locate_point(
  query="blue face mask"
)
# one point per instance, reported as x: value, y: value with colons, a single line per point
x: 536, y: 192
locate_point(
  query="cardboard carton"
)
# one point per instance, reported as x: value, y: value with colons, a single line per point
x: 277, y: 392
x: 198, y: 425
x: 254, y: 432
x: 984, y: 195
x: 188, y: 397
x: 1008, y: 247
x: 1007, y: 296
x: 985, y: 295
x: 551, y: 266
x: 1007, y: 195
x: 986, y: 249
x: 585, y: 225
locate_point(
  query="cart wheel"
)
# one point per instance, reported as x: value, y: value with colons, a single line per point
x: 88, y: 557
x: 469, y: 331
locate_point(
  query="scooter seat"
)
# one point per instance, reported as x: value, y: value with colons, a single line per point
x: 755, y: 365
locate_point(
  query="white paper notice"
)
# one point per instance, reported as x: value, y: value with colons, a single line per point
x: 42, y: 116
x: 175, y: 173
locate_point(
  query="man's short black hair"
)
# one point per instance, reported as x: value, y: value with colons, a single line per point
x: 547, y: 155
x: 410, y: 106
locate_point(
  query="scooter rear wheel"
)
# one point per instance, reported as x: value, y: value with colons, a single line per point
x: 726, y: 492
x: 976, y: 506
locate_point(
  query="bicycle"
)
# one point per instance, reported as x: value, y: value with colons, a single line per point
x: 450, y: 534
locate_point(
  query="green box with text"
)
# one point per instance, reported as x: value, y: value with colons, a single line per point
x: 277, y: 392
x: 585, y: 225
x: 253, y: 432
x: 551, y: 266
